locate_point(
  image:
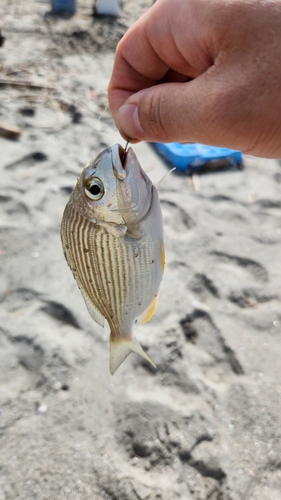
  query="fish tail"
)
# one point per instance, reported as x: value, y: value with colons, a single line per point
x: 120, y: 348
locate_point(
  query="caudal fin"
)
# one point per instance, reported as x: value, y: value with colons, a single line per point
x: 120, y: 349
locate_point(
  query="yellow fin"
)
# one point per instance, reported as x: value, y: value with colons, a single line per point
x: 149, y: 311
x: 120, y: 349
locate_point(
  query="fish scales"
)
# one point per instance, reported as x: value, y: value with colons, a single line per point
x: 116, y: 255
x: 79, y: 237
x: 95, y: 252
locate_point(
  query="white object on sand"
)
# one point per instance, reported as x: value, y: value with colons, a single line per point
x: 42, y: 408
x: 107, y: 7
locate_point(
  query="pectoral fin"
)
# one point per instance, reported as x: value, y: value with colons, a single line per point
x: 149, y: 311
x: 134, y: 231
x: 121, y: 348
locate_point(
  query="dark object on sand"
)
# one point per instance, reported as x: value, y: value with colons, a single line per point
x: 27, y: 111
x: 75, y: 114
x: 9, y: 131
x: 2, y: 39
x: 63, y: 6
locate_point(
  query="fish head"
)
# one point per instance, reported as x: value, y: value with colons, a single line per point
x: 113, y: 188
x: 95, y: 194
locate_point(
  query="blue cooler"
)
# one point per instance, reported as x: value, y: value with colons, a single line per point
x: 192, y: 157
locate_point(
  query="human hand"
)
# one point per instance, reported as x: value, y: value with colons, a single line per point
x: 229, y: 50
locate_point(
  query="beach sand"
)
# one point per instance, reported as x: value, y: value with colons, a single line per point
x: 206, y: 423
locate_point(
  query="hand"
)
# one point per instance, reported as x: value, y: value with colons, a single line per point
x: 205, y: 71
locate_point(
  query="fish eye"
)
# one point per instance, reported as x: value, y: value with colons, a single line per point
x: 94, y: 189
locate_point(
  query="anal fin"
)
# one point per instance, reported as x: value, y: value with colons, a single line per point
x: 149, y: 311
x: 121, y: 348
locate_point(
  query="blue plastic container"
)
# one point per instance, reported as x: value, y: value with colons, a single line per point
x: 190, y: 157
x: 63, y: 6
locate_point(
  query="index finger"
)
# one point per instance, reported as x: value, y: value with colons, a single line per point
x: 136, y: 66
x: 144, y: 56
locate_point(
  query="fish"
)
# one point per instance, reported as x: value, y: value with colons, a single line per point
x: 112, y: 238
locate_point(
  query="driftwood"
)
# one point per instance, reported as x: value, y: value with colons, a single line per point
x: 25, y: 83
x: 9, y: 131
x: 36, y: 156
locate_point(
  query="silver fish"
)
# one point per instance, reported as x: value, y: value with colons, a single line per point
x: 112, y: 237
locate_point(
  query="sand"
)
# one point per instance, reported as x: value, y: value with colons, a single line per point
x: 206, y: 423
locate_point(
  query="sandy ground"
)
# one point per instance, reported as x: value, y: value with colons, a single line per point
x: 206, y: 423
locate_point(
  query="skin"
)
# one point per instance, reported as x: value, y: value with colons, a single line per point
x: 205, y: 71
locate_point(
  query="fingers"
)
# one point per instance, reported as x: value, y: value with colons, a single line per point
x: 209, y: 110
x: 181, y: 112
x: 230, y: 50
x: 126, y: 81
x: 149, y: 52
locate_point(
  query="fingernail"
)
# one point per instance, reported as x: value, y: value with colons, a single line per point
x: 128, y: 121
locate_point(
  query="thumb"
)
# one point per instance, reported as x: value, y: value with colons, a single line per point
x: 202, y: 110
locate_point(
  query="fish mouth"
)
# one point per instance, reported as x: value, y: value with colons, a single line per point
x: 134, y: 186
x: 124, y: 158
x: 119, y: 157
x: 125, y: 163
x: 123, y: 155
